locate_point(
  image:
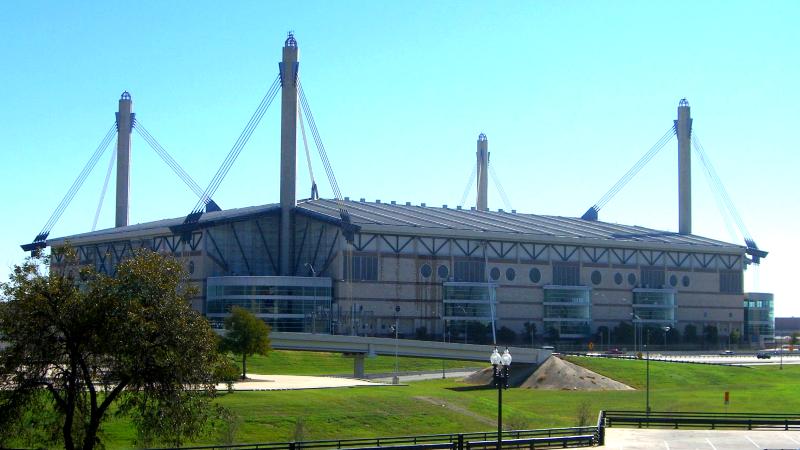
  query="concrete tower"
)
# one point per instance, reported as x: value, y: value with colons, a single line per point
x: 124, y: 123
x: 483, y: 172
x: 289, y: 70
x: 683, y: 126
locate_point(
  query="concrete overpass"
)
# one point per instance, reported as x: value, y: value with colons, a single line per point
x: 359, y: 347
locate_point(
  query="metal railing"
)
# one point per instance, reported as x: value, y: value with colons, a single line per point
x: 710, y: 420
x: 542, y: 438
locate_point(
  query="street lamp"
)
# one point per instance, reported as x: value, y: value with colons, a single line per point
x: 500, y: 365
x: 647, y: 352
x: 396, y: 378
x: 666, y: 330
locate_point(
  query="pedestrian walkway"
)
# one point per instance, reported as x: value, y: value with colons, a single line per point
x: 256, y: 382
x: 651, y: 439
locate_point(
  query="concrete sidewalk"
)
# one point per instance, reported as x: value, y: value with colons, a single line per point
x: 651, y: 439
x: 256, y: 382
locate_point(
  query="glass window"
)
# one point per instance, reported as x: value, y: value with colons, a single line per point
x: 596, y: 277
x: 730, y: 281
x: 673, y: 280
x: 469, y: 270
x: 685, y: 281
x: 510, y: 274
x: 495, y: 274
x: 443, y: 272
x: 631, y: 279
x: 364, y: 268
x: 566, y: 274
x: 535, y: 275
x: 653, y: 277
x: 425, y: 271
x: 618, y: 278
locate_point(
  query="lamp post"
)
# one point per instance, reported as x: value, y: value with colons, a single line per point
x: 647, y: 364
x: 396, y: 378
x: 666, y: 330
x: 500, y: 365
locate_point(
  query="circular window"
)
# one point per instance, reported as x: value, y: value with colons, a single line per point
x: 443, y: 272
x: 535, y: 275
x: 510, y: 274
x: 596, y: 277
x: 495, y: 273
x: 425, y: 270
x: 631, y: 279
x: 191, y: 266
x: 673, y: 280
x: 618, y: 278
x: 685, y: 281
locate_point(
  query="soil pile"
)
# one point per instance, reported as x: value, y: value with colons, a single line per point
x: 557, y: 374
x: 518, y: 374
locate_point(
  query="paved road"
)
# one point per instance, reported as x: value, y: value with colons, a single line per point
x: 642, y: 439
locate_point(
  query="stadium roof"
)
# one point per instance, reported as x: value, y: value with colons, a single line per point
x: 441, y: 221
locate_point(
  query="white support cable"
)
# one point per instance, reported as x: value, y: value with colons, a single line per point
x: 718, y: 182
x: 636, y: 168
x: 105, y: 188
x: 305, y: 144
x: 499, y: 187
x: 723, y: 211
x: 469, y: 186
x: 241, y: 141
x: 76, y: 185
x: 321, y: 150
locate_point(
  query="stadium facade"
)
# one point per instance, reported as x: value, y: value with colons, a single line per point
x: 359, y: 267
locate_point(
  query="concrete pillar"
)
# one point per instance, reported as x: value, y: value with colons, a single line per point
x: 123, y: 158
x: 483, y: 172
x: 358, y: 365
x: 683, y: 127
x: 289, y: 70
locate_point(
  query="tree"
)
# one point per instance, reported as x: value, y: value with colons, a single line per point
x: 76, y: 348
x: 710, y: 334
x: 245, y: 335
x: 795, y: 338
x: 530, y: 332
x: 623, y: 333
x: 506, y: 336
x: 690, y: 334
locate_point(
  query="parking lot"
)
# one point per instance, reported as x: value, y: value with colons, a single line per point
x: 650, y: 439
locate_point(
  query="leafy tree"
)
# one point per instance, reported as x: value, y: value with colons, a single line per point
x: 623, y: 333
x: 530, y: 332
x: 736, y: 336
x: 506, y: 336
x: 76, y: 348
x: 795, y: 338
x: 690, y: 334
x: 552, y: 335
x: 245, y: 335
x: 479, y: 333
x: 711, y: 334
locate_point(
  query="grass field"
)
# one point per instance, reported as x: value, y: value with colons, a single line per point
x: 438, y: 406
x: 312, y: 363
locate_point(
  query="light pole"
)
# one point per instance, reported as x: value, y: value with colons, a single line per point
x: 501, y: 366
x: 647, y: 351
x: 666, y: 330
x: 464, y: 311
x: 396, y: 378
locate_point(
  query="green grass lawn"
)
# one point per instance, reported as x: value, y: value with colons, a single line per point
x: 281, y: 362
x: 436, y: 407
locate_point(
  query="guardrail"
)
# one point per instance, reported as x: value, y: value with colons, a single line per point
x: 542, y: 438
x: 702, y: 420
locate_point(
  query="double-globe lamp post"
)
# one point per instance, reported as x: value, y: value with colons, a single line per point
x: 501, y: 365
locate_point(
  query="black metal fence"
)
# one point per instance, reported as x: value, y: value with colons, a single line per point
x: 543, y: 438
x: 706, y: 420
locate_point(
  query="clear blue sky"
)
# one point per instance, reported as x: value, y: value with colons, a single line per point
x: 570, y: 95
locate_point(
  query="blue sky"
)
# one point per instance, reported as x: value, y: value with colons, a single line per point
x: 570, y: 95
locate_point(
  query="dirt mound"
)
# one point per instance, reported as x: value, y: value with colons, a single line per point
x: 557, y: 374
x: 519, y: 373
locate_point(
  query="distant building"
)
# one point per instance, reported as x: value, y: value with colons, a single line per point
x: 358, y: 267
